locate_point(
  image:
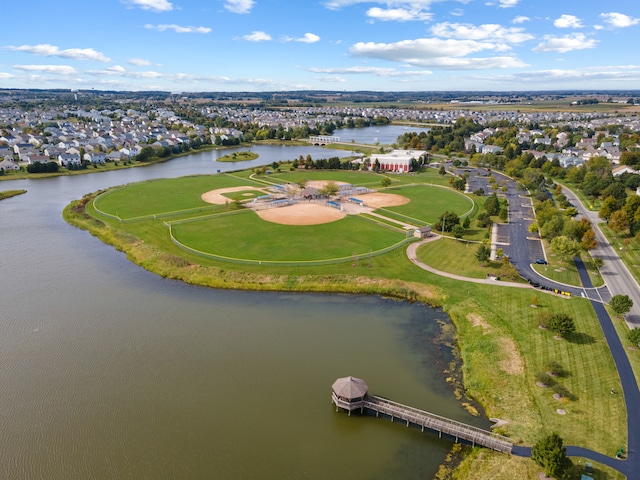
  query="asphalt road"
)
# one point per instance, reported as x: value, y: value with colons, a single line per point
x: 616, y: 275
x: 523, y: 247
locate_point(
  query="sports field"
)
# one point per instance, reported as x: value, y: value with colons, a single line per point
x: 203, y: 215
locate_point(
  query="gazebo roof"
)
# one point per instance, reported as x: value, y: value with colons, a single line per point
x: 350, y: 387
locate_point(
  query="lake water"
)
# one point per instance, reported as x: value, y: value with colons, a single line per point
x: 111, y: 372
x: 385, y: 134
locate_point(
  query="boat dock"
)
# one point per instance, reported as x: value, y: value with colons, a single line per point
x: 351, y: 393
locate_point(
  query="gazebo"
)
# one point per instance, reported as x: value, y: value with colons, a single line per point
x: 349, y: 393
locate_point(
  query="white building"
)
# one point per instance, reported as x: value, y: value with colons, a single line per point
x: 396, y: 160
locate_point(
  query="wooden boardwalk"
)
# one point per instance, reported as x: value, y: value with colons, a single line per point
x: 423, y: 419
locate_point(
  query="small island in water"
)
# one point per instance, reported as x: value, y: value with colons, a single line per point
x: 238, y: 157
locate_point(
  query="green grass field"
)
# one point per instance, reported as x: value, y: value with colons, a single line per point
x: 426, y: 205
x: 163, y: 196
x: 246, y: 236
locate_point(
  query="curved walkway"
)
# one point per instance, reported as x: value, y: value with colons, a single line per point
x: 629, y: 467
x: 412, y: 254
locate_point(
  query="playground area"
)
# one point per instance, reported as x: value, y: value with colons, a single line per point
x: 292, y: 204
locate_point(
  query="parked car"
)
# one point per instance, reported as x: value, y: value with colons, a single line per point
x: 541, y: 261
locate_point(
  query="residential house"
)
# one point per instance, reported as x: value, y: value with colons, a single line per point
x: 67, y: 159
x: 96, y: 158
x: 8, y: 165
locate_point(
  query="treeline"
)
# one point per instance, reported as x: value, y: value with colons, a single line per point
x: 37, y: 167
x: 446, y: 139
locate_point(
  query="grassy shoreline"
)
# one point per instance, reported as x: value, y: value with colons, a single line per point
x: 500, y: 345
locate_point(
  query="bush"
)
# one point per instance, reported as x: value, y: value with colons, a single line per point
x: 545, y: 379
x: 634, y: 336
x: 562, y: 324
x: 555, y: 369
x: 621, y: 304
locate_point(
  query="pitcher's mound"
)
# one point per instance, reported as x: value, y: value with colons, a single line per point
x: 301, y: 214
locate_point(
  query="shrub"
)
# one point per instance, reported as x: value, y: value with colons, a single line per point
x: 634, y: 336
x: 562, y: 324
x: 545, y: 379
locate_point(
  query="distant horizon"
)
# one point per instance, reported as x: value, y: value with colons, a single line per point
x: 334, y: 45
x: 599, y: 91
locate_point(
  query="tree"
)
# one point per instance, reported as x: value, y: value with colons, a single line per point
x: 447, y: 221
x: 562, y: 324
x: 634, y: 336
x: 621, y: 304
x: 466, y: 223
x: 565, y: 248
x: 598, y: 263
x: 609, y: 205
x: 385, y: 182
x: 618, y: 221
x: 589, y: 241
x: 549, y: 452
x: 483, y: 253
x: 442, y: 170
x: 457, y: 231
x: 330, y: 189
x: 492, y: 205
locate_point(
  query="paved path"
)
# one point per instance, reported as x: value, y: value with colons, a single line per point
x: 411, y: 253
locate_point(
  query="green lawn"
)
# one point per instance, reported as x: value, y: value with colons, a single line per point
x: 427, y: 203
x: 458, y: 257
x: 246, y: 236
x: 166, y: 195
x: 567, y: 273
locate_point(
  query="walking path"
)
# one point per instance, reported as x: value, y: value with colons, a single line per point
x: 412, y: 254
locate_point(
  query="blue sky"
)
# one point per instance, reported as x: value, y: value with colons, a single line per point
x: 270, y: 45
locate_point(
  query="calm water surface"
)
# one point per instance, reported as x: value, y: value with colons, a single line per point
x: 110, y: 372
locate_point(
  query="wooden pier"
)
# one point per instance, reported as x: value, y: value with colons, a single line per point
x: 351, y: 393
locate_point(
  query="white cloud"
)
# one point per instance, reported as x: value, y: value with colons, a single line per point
x: 57, y: 69
x: 567, y: 21
x: 308, y: 38
x: 177, y: 28
x: 407, y: 4
x: 239, y: 6
x: 436, y: 53
x: 332, y: 79
x: 575, y: 41
x: 577, y: 77
x: 520, y: 19
x: 47, y: 50
x: 140, y: 62
x: 120, y: 71
x: 508, y: 3
x: 619, y: 20
x: 377, y: 71
x: 494, y: 32
x: 153, y: 5
x: 257, y: 36
x: 398, y: 14
x: 6, y: 76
